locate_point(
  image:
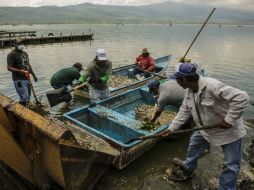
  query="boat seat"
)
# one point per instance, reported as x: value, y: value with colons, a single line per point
x: 113, y: 126
x: 113, y: 115
x: 116, y: 117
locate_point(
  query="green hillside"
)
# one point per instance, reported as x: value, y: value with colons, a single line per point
x: 90, y: 13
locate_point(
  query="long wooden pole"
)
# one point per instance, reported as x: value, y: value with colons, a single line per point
x: 173, y: 133
x: 198, y: 33
x: 32, y: 88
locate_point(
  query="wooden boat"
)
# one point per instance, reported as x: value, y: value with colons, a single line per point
x: 161, y: 65
x: 113, y: 120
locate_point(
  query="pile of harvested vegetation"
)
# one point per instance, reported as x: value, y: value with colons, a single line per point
x: 116, y: 81
x: 144, y: 112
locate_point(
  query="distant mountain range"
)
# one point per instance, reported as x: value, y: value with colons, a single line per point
x: 90, y: 13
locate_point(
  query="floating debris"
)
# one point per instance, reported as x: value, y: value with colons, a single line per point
x: 116, y: 81
x: 144, y: 112
x: 39, y: 108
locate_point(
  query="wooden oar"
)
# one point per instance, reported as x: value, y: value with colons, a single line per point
x: 172, y: 133
x: 198, y: 33
x: 79, y: 86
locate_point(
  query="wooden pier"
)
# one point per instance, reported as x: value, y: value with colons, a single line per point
x: 6, y: 43
x: 11, y: 34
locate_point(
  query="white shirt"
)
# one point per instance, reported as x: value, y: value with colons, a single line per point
x: 216, y: 102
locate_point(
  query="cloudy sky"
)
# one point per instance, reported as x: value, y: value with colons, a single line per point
x: 243, y: 4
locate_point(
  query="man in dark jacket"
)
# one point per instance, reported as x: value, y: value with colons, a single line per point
x: 66, y: 76
x: 97, y: 74
x: 18, y: 64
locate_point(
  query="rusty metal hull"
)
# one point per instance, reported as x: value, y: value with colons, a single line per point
x: 44, y: 152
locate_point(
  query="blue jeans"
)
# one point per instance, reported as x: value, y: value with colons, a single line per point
x: 232, y: 159
x: 24, y: 91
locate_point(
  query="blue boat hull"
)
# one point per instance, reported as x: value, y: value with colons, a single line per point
x: 113, y: 120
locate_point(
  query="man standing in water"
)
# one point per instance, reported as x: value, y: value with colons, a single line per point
x: 97, y: 74
x: 210, y: 102
x: 18, y: 64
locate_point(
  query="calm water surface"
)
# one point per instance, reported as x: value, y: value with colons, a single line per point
x: 226, y: 52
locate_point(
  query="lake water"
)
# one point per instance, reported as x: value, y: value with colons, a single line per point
x: 226, y: 52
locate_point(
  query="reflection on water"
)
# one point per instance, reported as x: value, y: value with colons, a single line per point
x: 226, y: 52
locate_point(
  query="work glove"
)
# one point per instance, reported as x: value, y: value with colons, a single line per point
x: 25, y: 72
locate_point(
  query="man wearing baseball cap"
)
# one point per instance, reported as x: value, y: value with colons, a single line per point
x: 210, y: 103
x: 97, y: 74
x: 66, y: 76
x: 18, y: 64
x: 167, y: 93
x: 145, y: 65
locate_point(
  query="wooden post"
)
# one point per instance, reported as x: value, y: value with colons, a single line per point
x: 61, y: 38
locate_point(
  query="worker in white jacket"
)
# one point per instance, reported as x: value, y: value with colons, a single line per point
x: 211, y: 102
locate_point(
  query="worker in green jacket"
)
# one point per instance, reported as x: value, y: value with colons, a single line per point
x: 66, y: 76
x: 97, y: 74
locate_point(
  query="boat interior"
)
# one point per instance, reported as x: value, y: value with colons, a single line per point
x: 114, y: 118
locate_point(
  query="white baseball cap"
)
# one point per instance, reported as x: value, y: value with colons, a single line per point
x: 101, y: 54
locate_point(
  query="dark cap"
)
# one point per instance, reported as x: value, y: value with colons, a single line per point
x: 78, y: 66
x: 184, y: 70
x: 152, y: 84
